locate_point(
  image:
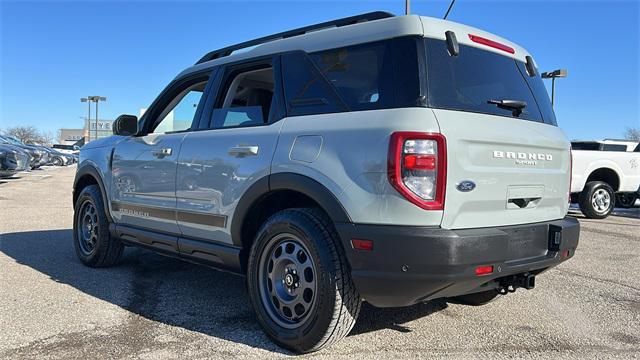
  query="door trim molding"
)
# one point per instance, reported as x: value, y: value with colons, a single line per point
x: 145, y: 211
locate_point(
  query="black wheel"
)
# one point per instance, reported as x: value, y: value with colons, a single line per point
x: 57, y: 161
x: 477, y: 299
x: 626, y: 200
x: 597, y: 200
x: 94, y: 245
x: 299, y: 281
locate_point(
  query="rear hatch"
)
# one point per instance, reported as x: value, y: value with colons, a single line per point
x: 507, y: 165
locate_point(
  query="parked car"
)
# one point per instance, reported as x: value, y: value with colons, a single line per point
x: 57, y: 158
x: 67, y: 149
x: 605, y: 174
x: 389, y: 159
x: 604, y: 145
x: 12, y: 160
x: 37, y: 156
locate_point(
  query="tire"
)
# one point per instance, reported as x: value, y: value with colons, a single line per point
x: 329, y: 302
x: 477, y: 299
x: 94, y: 245
x: 56, y: 161
x: 626, y: 200
x: 597, y: 200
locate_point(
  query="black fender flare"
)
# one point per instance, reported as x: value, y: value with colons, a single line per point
x: 94, y: 173
x: 286, y: 181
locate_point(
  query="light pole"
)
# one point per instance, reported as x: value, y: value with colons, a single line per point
x: 88, y: 101
x: 97, y: 99
x: 560, y: 73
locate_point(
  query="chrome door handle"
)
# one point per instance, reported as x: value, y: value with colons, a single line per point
x: 162, y: 152
x: 243, y: 150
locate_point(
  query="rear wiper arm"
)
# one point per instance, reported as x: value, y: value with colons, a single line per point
x: 514, y: 105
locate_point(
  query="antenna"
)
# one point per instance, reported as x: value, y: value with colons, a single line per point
x: 449, y: 9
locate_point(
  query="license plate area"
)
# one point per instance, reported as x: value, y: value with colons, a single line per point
x: 528, y: 242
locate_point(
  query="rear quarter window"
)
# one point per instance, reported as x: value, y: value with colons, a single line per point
x: 378, y: 75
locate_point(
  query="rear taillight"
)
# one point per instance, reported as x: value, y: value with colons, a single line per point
x: 417, y: 167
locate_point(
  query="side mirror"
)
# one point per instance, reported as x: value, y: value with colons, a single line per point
x: 125, y: 125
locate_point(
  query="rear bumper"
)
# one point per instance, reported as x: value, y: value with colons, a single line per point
x: 413, y: 264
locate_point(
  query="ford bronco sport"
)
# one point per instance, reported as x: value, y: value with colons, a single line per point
x: 380, y: 158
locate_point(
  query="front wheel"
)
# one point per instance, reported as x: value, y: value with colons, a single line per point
x: 299, y: 281
x: 94, y: 245
x: 597, y: 200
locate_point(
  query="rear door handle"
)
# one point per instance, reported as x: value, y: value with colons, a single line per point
x: 162, y: 152
x: 244, y: 150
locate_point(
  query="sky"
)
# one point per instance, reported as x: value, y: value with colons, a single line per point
x: 52, y: 53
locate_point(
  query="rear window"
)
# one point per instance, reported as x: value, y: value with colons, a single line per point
x: 468, y: 82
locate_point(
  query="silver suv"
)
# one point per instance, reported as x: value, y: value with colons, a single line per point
x: 388, y: 159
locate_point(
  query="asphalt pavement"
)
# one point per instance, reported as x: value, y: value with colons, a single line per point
x: 152, y: 307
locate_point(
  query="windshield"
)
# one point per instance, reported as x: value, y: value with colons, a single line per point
x: 477, y: 80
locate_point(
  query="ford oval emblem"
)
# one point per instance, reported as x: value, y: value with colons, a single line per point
x: 466, y: 185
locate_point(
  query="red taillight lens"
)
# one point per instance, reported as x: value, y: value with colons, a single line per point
x: 420, y: 162
x: 417, y: 167
x: 491, y: 43
x: 484, y: 270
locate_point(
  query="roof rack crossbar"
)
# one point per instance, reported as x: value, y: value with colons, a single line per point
x: 226, y: 51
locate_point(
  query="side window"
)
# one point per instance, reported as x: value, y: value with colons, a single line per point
x: 247, y: 99
x: 362, y: 75
x: 306, y: 90
x: 179, y: 113
x: 377, y: 75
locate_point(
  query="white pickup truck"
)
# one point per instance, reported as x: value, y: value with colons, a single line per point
x: 606, y: 174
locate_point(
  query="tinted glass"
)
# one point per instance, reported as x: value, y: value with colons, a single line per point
x: 379, y: 75
x: 468, y: 81
x: 539, y: 93
x: 306, y: 91
x: 592, y: 146
x: 179, y: 115
x: 247, y: 101
x: 614, y: 147
x: 362, y: 75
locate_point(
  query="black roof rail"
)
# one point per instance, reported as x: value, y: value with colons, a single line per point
x: 226, y: 51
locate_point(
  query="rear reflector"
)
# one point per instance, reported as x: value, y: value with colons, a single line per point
x: 491, y: 43
x: 484, y: 270
x: 360, y: 244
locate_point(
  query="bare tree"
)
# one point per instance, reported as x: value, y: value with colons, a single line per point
x: 47, y: 138
x: 25, y: 134
x: 30, y: 135
x: 632, y: 134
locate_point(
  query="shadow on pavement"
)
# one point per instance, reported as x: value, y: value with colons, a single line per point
x: 173, y: 291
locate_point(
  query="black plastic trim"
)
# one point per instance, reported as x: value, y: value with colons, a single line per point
x: 226, y: 51
x: 313, y: 189
x: 202, y: 219
x: 215, y: 254
x: 410, y: 264
x: 257, y: 190
x: 93, y: 172
x: 171, y: 214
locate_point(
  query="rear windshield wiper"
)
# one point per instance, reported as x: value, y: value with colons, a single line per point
x: 516, y: 106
